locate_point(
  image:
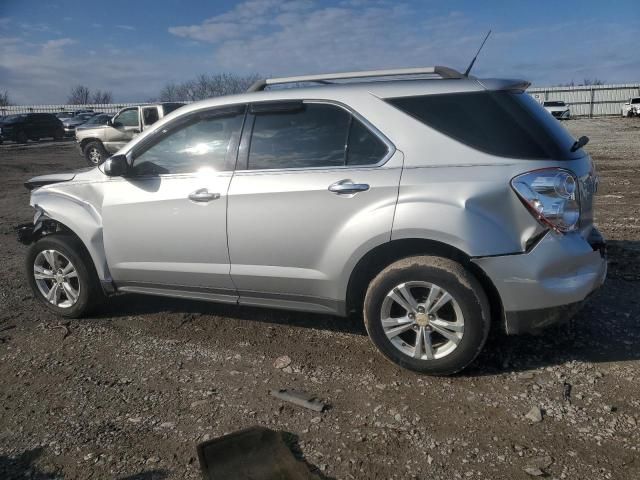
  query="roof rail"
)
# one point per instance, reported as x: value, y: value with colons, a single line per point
x: 443, y: 72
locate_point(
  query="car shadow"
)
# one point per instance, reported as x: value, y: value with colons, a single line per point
x: 607, y: 329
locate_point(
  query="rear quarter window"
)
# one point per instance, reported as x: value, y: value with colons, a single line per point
x: 501, y: 123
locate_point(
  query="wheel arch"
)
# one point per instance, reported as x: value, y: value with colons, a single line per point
x: 381, y: 256
x: 86, y: 141
x: 59, y: 212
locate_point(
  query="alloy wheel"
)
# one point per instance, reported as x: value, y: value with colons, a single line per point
x: 422, y: 320
x: 56, y: 278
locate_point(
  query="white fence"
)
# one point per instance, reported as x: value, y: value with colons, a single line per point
x: 590, y: 100
x: 96, y: 107
x: 584, y: 101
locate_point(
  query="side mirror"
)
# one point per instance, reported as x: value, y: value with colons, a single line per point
x: 116, y: 166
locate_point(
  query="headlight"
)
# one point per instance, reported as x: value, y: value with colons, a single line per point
x: 551, y: 195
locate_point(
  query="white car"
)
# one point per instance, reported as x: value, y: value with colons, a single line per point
x: 631, y: 108
x: 558, y: 109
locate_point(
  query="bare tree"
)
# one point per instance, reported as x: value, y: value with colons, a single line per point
x: 79, y: 95
x: 100, y: 96
x: 4, y: 99
x: 592, y: 81
x: 206, y: 86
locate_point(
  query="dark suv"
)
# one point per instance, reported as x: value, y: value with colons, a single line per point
x: 30, y: 126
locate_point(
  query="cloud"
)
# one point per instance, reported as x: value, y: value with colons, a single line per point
x: 126, y: 27
x: 295, y: 37
x: 58, y: 43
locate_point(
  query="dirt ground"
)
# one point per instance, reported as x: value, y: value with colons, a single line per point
x: 129, y: 393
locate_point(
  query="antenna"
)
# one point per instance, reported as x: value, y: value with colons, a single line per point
x: 466, y: 72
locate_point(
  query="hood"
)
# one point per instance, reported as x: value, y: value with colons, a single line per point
x: 42, y: 180
x: 87, y: 127
x: 70, y: 122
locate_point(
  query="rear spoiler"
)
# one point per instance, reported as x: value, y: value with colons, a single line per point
x: 504, y: 84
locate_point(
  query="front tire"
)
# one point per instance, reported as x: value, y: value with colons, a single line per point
x: 427, y: 314
x: 95, y: 153
x: 62, y: 276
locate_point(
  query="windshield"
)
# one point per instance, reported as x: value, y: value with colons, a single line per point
x: 635, y: 100
x: 554, y: 104
x: 99, y: 120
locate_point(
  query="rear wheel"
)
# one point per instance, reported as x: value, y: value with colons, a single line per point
x: 95, y: 153
x: 427, y: 314
x: 62, y: 276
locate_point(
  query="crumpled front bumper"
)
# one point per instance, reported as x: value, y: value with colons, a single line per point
x: 549, y: 283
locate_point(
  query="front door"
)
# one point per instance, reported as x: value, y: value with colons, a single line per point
x: 165, y: 222
x: 123, y: 127
x: 315, y: 183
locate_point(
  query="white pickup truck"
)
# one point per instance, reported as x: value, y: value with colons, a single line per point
x: 99, y: 142
x: 631, y: 108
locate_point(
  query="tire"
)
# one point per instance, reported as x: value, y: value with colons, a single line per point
x: 84, y: 284
x: 58, y: 135
x: 21, y: 137
x: 467, y: 315
x: 95, y: 153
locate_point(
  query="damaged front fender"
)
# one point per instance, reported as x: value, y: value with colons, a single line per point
x: 71, y: 208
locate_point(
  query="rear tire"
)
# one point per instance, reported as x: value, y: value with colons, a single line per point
x: 446, y: 324
x: 62, y: 276
x: 95, y: 153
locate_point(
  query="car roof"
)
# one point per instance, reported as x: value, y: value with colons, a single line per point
x: 380, y: 89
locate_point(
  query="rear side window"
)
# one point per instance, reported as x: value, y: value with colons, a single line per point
x: 501, y: 123
x: 314, y: 135
x: 635, y: 100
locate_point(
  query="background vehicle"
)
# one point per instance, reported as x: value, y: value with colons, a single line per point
x: 96, y: 144
x: 558, y: 109
x: 70, y: 124
x: 631, y: 108
x: 30, y: 126
x: 439, y: 208
x: 96, y: 120
x: 64, y: 115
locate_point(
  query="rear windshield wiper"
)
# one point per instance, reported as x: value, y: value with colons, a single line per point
x: 581, y: 142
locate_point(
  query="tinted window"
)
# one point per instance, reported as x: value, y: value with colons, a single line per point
x: 314, y: 136
x: 200, y: 144
x: 150, y: 115
x: 364, y: 148
x: 128, y: 118
x: 167, y: 108
x: 554, y: 103
x: 635, y: 100
x: 500, y: 123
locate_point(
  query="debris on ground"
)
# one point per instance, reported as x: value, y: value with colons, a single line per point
x: 301, y: 399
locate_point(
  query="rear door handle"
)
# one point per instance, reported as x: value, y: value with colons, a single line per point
x: 203, y: 195
x: 347, y: 187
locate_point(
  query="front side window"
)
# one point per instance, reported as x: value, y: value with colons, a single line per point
x: 127, y: 118
x: 315, y: 135
x: 197, y: 145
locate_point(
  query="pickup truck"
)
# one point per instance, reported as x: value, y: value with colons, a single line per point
x: 98, y: 143
x: 631, y: 108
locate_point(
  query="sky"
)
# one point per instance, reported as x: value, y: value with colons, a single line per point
x: 134, y: 47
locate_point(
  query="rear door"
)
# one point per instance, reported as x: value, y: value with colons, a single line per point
x: 314, y: 183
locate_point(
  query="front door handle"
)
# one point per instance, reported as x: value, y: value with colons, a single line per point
x: 347, y: 187
x: 203, y: 195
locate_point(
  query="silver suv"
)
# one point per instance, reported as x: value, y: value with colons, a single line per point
x: 438, y: 207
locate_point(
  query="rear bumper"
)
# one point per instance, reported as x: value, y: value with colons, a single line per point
x: 549, y: 283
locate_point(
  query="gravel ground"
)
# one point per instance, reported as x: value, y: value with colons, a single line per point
x: 130, y: 392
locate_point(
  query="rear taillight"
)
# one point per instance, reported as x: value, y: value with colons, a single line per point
x: 551, y: 195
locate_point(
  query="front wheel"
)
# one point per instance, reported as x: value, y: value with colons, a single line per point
x: 427, y: 314
x: 62, y: 276
x: 95, y: 153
